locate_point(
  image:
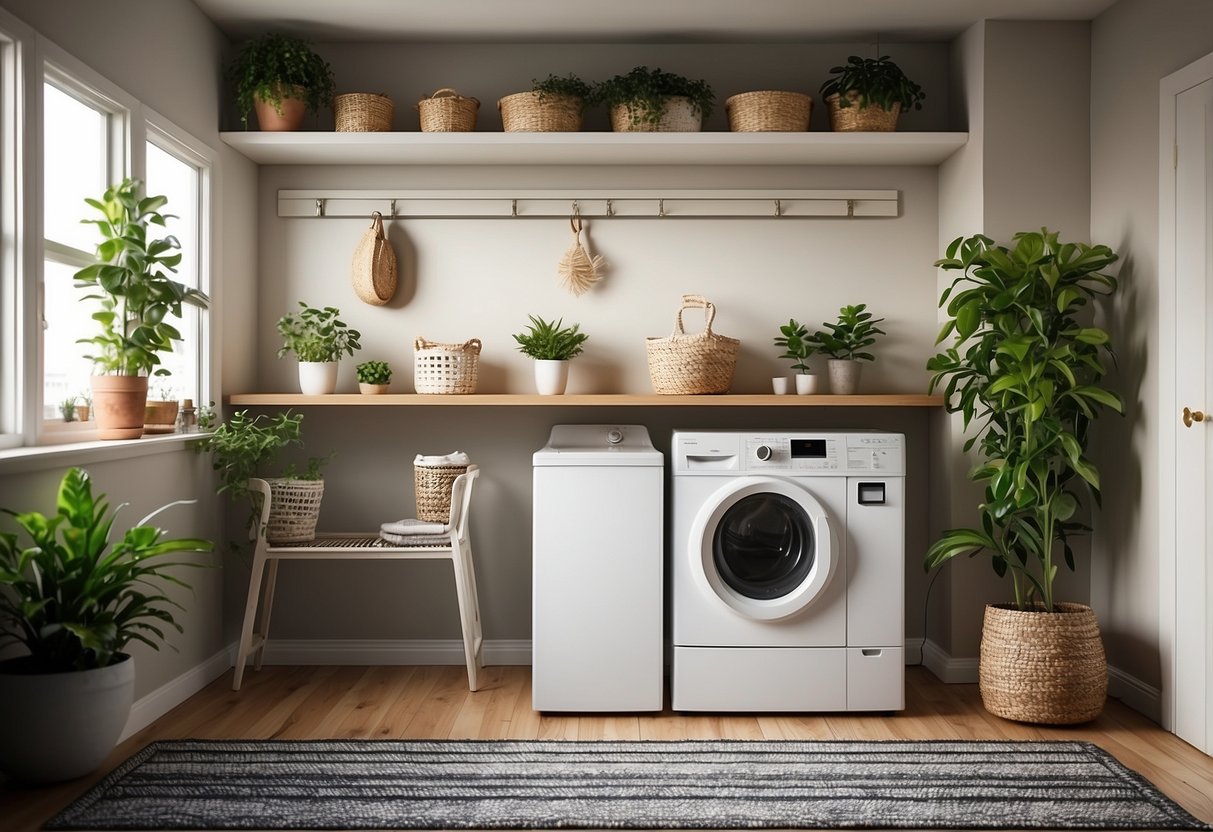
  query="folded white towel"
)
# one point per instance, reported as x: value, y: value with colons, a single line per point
x: 453, y: 458
x: 414, y: 539
x: 411, y: 526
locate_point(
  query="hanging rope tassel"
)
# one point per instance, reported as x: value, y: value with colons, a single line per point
x: 578, y: 270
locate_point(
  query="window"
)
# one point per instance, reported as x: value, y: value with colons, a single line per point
x: 11, y: 244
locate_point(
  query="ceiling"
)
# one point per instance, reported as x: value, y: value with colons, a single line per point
x: 628, y: 20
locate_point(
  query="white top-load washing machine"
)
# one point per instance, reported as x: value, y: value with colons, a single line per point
x: 598, y: 559
x: 788, y: 552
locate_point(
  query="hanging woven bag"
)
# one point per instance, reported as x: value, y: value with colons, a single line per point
x: 374, y: 268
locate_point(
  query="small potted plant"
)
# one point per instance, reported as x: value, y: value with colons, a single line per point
x: 553, y: 105
x: 67, y: 409
x: 551, y: 344
x: 282, y: 79
x: 84, y: 407
x: 374, y: 377
x: 318, y: 337
x: 868, y: 94
x: 798, y: 346
x: 650, y: 101
x: 75, y: 602
x: 160, y: 414
x: 844, y: 341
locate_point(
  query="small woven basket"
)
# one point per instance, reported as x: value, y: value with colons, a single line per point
x: 432, y: 484
x: 445, y: 368
x: 528, y: 112
x: 769, y: 111
x: 363, y: 112
x: 294, y: 509
x: 446, y: 111
x: 691, y: 364
x: 679, y: 116
x: 1044, y: 667
x: 856, y: 119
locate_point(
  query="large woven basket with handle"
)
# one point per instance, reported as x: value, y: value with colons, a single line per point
x: 446, y: 111
x: 446, y: 368
x: 685, y: 364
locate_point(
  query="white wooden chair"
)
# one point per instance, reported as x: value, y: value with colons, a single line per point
x: 455, y: 547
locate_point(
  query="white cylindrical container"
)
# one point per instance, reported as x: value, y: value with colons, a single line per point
x: 807, y: 384
x: 779, y: 384
x: 551, y: 377
x: 317, y: 378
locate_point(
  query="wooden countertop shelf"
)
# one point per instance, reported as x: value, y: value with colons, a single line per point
x: 583, y: 400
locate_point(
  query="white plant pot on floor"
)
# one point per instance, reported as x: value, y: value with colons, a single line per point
x: 551, y: 377
x: 807, y: 384
x: 317, y: 378
x: 844, y: 376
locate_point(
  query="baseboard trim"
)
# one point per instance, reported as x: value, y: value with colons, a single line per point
x: 1136, y: 694
x: 392, y: 651
x: 163, y: 699
x: 948, y: 669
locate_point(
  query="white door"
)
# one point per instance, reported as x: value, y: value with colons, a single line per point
x: 1188, y: 246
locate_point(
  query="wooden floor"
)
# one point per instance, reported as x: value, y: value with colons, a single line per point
x: 433, y: 702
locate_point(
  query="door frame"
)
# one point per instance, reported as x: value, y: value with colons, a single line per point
x: 1169, y: 403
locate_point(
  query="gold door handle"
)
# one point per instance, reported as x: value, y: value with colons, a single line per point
x: 1191, y: 416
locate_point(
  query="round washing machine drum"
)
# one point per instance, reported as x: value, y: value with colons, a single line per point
x: 763, y: 547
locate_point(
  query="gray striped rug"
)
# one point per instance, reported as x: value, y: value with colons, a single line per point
x: 474, y: 784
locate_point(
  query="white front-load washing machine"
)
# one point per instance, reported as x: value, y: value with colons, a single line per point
x: 788, y: 552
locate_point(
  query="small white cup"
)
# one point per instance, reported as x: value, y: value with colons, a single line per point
x: 780, y: 385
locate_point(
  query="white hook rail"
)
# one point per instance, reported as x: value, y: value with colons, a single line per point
x: 523, y: 204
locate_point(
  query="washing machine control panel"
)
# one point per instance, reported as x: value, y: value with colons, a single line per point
x: 804, y: 454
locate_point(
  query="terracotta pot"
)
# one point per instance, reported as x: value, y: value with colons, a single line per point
x: 293, y: 107
x: 82, y: 412
x: 159, y: 416
x: 118, y: 405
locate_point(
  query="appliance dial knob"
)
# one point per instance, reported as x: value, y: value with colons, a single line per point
x: 614, y: 436
x: 763, y: 452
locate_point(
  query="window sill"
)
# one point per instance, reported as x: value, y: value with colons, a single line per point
x: 20, y: 460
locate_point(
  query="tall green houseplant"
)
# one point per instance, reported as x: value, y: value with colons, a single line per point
x: 1025, y: 367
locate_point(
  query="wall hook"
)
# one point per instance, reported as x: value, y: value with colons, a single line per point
x: 661, y: 207
x: 610, y: 207
x: 392, y: 208
x: 320, y: 207
x: 576, y: 210
x: 850, y: 208
x: 513, y: 207
x: 778, y: 208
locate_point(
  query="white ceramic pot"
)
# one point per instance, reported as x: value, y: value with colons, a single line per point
x: 60, y: 726
x: 844, y: 376
x: 551, y: 377
x: 807, y: 384
x: 317, y: 378
x: 779, y: 384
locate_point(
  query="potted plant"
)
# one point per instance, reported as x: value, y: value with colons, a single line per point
x: 84, y: 406
x: 67, y: 409
x: 844, y: 341
x: 868, y: 94
x: 798, y: 346
x: 75, y: 603
x: 318, y: 337
x: 160, y: 413
x: 374, y: 377
x: 130, y: 278
x: 281, y: 78
x: 649, y: 101
x: 553, y: 105
x: 551, y: 344
x: 1026, y: 368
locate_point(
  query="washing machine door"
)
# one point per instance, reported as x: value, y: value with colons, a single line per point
x: 763, y: 547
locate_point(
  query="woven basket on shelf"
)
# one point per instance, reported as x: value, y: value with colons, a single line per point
x: 690, y: 364
x: 769, y: 111
x: 1042, y: 667
x: 432, y: 484
x: 856, y: 119
x: 679, y: 116
x: 446, y: 111
x: 363, y: 112
x: 529, y: 112
x: 294, y: 509
x: 445, y: 368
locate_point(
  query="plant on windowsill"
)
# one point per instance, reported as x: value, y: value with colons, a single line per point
x: 282, y: 79
x: 868, y: 94
x: 845, y: 341
x: 798, y: 346
x: 75, y: 603
x: 67, y: 409
x: 553, y: 105
x: 1030, y: 379
x: 130, y: 279
x: 552, y: 345
x: 374, y: 377
x: 649, y: 101
x: 84, y: 407
x: 318, y: 337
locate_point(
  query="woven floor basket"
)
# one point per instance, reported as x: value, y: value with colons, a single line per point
x: 769, y: 111
x: 1043, y: 667
x: 854, y: 119
x: 680, y: 116
x: 432, y: 484
x: 446, y: 111
x: 526, y: 112
x: 446, y: 368
x: 690, y: 364
x: 363, y: 112
x: 294, y: 509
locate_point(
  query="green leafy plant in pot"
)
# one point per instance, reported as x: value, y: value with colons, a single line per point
x: 75, y: 601
x: 1025, y: 369
x: 318, y: 337
x: 553, y: 105
x: 868, y: 94
x: 552, y: 345
x: 374, y: 377
x: 846, y: 341
x: 282, y: 79
x: 138, y: 298
x: 798, y: 346
x: 648, y: 100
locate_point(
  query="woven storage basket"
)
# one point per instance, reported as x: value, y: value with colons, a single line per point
x: 294, y: 509
x: 363, y: 112
x: 679, y: 116
x: 769, y: 111
x: 446, y: 111
x: 373, y: 269
x: 445, y: 368
x: 433, y: 488
x: 1043, y: 667
x: 688, y: 364
x: 527, y: 112
x: 856, y: 119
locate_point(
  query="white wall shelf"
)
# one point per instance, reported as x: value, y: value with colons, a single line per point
x: 595, y: 148
x: 585, y: 400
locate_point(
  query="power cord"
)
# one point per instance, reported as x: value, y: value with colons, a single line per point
x: 926, y: 604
